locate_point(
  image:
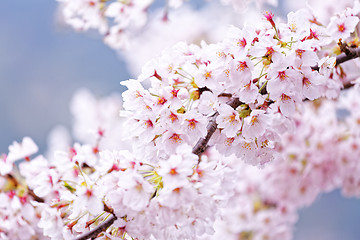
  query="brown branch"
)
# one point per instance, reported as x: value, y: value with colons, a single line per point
x: 108, y: 209
x: 35, y: 197
x: 348, y: 54
x: 348, y: 85
x: 201, y: 145
x: 30, y: 192
x: 352, y: 54
x: 102, y: 227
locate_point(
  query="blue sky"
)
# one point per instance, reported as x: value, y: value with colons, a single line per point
x: 43, y: 64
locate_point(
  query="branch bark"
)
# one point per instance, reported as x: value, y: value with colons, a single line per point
x: 201, y: 145
x: 102, y: 227
x: 348, y: 53
x: 36, y: 198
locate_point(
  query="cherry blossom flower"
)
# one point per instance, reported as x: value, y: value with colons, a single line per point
x: 5, y: 166
x: 255, y: 124
x: 228, y: 120
x: 341, y: 27
x: 326, y: 65
x: 137, y: 191
x: 22, y: 150
x: 265, y: 153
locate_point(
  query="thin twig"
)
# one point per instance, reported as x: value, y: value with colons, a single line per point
x: 35, y: 197
x: 102, y: 227
x: 16, y: 183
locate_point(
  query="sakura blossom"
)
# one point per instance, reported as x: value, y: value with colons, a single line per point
x: 121, y: 21
x: 341, y: 27
x: 212, y: 140
x: 22, y: 150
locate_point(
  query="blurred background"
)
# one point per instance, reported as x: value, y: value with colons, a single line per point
x: 42, y: 64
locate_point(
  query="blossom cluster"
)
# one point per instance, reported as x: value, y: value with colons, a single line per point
x: 320, y: 156
x: 229, y: 141
x: 184, y: 24
x: 269, y: 71
x: 80, y: 188
x: 121, y: 21
x: 311, y: 160
x: 241, y: 200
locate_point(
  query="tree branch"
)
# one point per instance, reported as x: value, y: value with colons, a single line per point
x: 36, y: 198
x: 354, y: 53
x: 348, y: 54
x: 16, y: 183
x: 102, y: 227
x: 201, y: 145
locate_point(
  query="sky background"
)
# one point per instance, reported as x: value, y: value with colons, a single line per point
x: 42, y: 65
